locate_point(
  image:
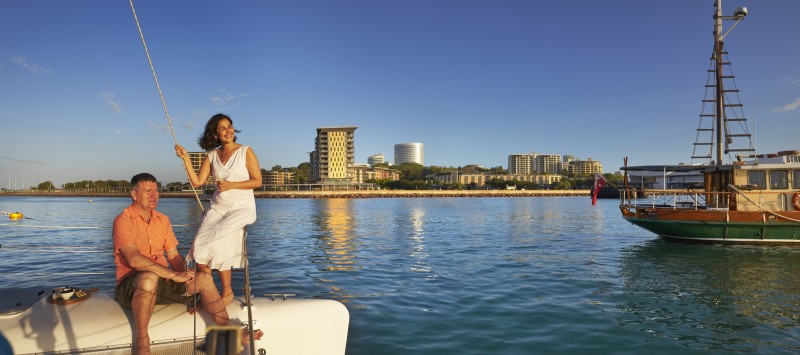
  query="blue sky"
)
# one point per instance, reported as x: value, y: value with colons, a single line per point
x: 474, y: 80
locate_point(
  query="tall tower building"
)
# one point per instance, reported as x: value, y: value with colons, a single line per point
x: 521, y: 164
x: 547, y: 164
x: 197, y: 159
x: 409, y: 153
x: 333, y: 155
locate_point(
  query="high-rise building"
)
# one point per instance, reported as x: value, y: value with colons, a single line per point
x: 197, y: 159
x: 521, y: 163
x: 375, y: 159
x: 547, y: 164
x: 409, y: 153
x: 566, y: 159
x: 333, y: 155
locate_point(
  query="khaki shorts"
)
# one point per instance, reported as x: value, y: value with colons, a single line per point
x: 167, y: 292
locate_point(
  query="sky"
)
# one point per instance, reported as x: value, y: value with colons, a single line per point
x: 473, y: 80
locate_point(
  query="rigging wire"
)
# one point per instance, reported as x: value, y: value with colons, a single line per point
x: 197, y: 197
x: 69, y: 227
x: 161, y: 95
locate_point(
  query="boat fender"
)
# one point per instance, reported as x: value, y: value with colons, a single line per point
x: 796, y: 201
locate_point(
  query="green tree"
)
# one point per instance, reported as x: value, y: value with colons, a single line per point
x: 498, y: 170
x: 47, y: 185
x: 303, y: 173
x: 410, y: 171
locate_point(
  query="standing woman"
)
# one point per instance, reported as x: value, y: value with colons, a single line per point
x: 218, y: 243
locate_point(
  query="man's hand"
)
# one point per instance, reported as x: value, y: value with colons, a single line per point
x: 184, y: 276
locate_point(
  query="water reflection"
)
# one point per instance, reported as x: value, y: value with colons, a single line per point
x: 711, y: 296
x: 335, y: 220
x: 416, y: 221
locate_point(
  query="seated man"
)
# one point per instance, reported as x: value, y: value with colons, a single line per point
x: 150, y: 270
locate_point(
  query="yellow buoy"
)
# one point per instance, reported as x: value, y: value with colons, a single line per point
x: 15, y: 215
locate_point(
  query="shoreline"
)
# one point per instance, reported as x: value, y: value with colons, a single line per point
x: 333, y: 194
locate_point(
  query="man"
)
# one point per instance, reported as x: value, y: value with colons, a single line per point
x: 150, y: 270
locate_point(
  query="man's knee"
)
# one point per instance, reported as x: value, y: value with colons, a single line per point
x: 146, y: 282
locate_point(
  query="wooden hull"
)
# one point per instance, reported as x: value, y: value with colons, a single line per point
x: 717, y: 226
x: 99, y: 325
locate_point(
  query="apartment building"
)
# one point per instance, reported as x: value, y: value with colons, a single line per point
x: 277, y: 178
x: 480, y: 179
x: 334, y: 155
x: 547, y: 164
x: 197, y: 159
x: 585, y: 167
x: 521, y: 163
x: 362, y: 173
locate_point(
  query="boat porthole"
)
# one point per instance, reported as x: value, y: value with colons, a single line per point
x: 758, y: 235
x: 771, y: 218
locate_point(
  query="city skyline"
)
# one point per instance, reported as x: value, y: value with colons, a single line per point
x: 474, y: 81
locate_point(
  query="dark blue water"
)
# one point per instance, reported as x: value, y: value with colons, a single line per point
x: 461, y: 275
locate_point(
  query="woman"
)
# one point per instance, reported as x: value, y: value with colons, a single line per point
x: 218, y: 243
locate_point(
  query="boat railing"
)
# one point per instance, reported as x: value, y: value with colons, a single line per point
x: 665, y: 198
x: 733, y: 200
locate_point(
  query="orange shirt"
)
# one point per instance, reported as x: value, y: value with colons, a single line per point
x: 152, y: 239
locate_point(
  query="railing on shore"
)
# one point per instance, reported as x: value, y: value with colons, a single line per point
x: 314, y: 194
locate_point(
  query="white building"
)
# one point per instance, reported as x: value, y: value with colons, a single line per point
x: 409, y: 153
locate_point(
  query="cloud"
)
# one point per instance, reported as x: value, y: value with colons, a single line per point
x: 793, y: 82
x: 226, y: 100
x: 789, y: 107
x: 223, y: 99
x: 33, y: 68
x: 112, y: 104
x: 161, y: 127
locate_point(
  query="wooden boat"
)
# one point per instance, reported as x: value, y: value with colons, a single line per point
x: 751, y: 199
x: 37, y: 321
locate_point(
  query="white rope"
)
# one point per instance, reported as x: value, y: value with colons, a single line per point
x: 163, y: 102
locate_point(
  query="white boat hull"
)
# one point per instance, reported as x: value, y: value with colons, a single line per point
x: 99, y: 325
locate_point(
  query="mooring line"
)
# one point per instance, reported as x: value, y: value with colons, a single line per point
x: 163, y: 102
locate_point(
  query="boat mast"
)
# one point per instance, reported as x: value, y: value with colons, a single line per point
x: 719, y: 97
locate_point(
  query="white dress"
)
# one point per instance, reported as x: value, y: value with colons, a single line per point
x: 218, y: 242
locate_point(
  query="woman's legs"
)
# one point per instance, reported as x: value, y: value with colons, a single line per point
x: 226, y: 291
x: 225, y: 279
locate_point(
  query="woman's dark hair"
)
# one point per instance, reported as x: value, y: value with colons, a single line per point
x: 208, y: 140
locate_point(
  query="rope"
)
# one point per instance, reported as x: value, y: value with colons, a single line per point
x: 35, y: 246
x: 70, y: 227
x: 760, y: 205
x: 161, y: 95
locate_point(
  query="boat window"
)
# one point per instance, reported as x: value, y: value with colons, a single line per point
x: 757, y: 178
x: 778, y: 179
x: 796, y: 179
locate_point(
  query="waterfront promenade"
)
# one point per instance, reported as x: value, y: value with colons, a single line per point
x: 324, y: 194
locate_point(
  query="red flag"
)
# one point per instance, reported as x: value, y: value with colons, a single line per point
x: 599, y: 182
